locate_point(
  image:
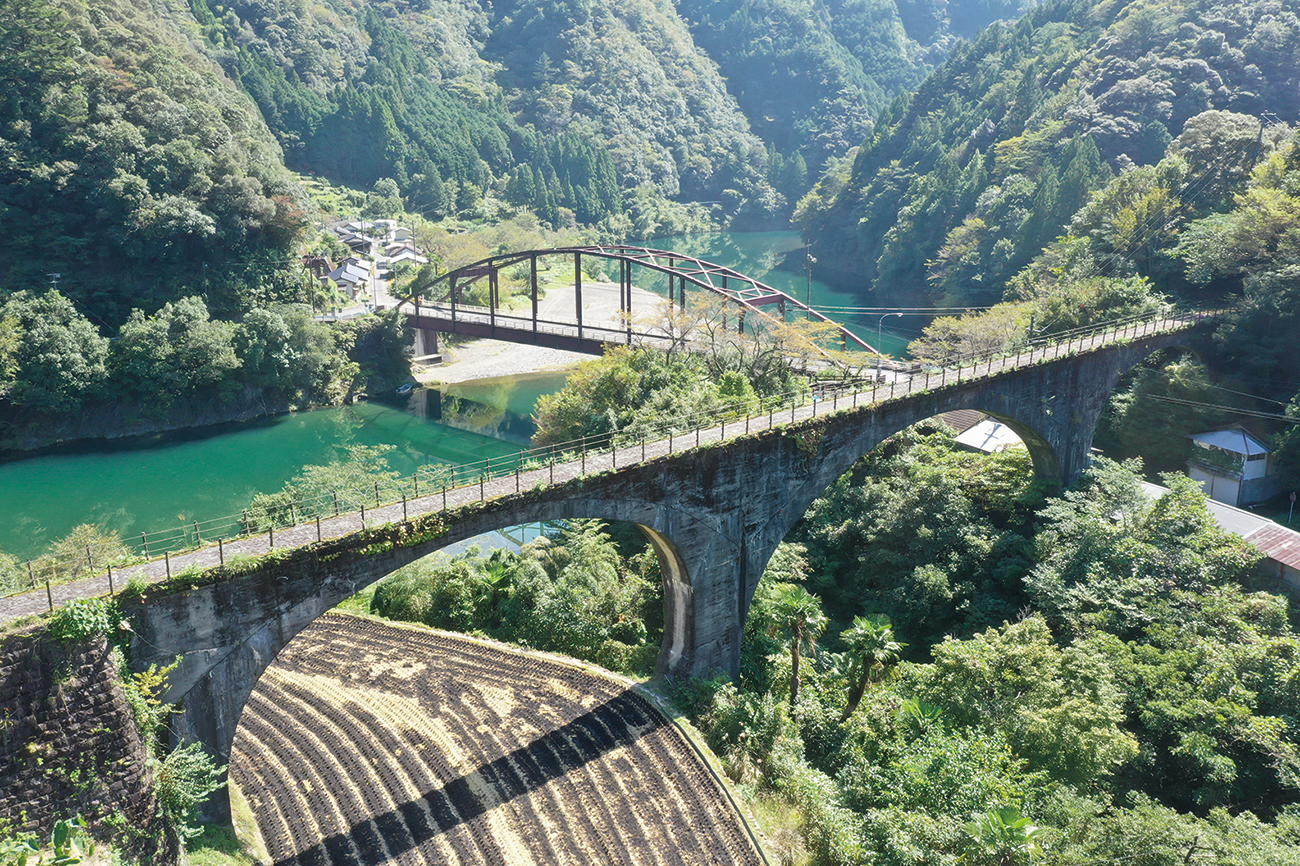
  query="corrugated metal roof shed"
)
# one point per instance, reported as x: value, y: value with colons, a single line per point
x: 1278, y: 543
x: 1234, y: 439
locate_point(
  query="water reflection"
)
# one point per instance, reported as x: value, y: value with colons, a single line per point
x: 155, y: 482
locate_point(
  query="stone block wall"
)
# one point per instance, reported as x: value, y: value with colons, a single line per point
x: 69, y: 746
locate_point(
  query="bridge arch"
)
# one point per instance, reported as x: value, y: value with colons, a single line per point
x: 715, y: 513
x: 235, y: 629
x: 750, y: 296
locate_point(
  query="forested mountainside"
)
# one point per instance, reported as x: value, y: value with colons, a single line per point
x: 811, y: 77
x: 964, y: 180
x: 140, y: 139
x: 564, y: 104
x: 126, y: 159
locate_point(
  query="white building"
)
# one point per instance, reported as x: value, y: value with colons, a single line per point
x: 1232, y: 466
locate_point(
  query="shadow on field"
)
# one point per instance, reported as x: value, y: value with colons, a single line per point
x: 616, y: 722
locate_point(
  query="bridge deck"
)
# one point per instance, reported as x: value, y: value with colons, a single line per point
x: 481, y: 322
x: 590, y: 462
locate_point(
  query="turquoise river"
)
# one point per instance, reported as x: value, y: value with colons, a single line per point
x: 157, y: 482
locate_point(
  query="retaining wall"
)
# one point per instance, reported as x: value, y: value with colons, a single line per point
x: 69, y: 746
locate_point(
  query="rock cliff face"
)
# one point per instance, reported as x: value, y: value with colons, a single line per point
x: 69, y: 746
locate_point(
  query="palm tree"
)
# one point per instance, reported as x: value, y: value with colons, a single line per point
x: 798, y: 613
x: 871, y: 641
x: 1002, y: 837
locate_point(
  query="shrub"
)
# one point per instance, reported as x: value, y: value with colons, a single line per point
x: 182, y: 781
x: 83, y: 618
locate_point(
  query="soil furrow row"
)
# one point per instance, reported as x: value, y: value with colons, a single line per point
x: 367, y: 744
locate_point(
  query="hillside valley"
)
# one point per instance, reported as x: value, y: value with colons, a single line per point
x: 952, y: 658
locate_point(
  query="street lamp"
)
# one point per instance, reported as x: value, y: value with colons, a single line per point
x: 880, y: 329
x: 807, y: 296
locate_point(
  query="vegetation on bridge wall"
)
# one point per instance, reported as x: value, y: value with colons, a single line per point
x: 69, y: 746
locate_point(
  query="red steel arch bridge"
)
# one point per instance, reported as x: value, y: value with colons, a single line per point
x: 440, y: 306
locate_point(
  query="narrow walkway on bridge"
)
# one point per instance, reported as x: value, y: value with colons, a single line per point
x: 593, y: 461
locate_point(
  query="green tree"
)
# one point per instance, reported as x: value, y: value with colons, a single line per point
x: 798, y: 615
x: 61, y: 357
x: 177, y: 351
x: 1003, y: 837
x: 1058, y: 708
x: 871, y: 642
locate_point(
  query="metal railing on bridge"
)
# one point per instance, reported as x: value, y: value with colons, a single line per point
x: 274, y: 513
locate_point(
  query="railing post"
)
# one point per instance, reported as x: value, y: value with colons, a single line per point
x: 336, y: 503
x: 90, y: 563
x: 518, y: 467
x: 444, y: 497
x: 376, y: 494
x: 248, y: 525
x: 31, y: 575
x: 144, y: 539
x: 293, y: 515
x: 111, y: 589
x: 49, y: 594
x: 221, y: 549
x: 318, y: 527
x: 198, y: 536
x: 270, y: 536
x: 416, y: 478
x: 167, y: 560
x: 642, y: 447
x: 404, y: 507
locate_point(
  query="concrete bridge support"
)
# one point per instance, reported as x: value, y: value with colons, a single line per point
x: 426, y: 343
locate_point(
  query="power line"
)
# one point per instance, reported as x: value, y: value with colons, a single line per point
x: 1247, y: 394
x: 918, y: 310
x: 1249, y: 413
x: 1144, y: 234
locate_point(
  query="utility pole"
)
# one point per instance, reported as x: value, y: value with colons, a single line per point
x: 54, y: 280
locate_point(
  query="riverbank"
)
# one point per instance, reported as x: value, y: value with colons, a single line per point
x: 481, y: 359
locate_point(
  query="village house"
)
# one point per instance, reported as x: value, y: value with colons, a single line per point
x: 1233, y: 466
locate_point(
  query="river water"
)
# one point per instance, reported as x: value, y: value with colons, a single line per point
x: 777, y: 258
x: 158, y: 482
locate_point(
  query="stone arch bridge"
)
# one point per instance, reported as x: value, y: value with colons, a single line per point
x: 714, y: 503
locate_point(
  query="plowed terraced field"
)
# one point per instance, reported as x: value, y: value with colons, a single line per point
x: 367, y: 743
